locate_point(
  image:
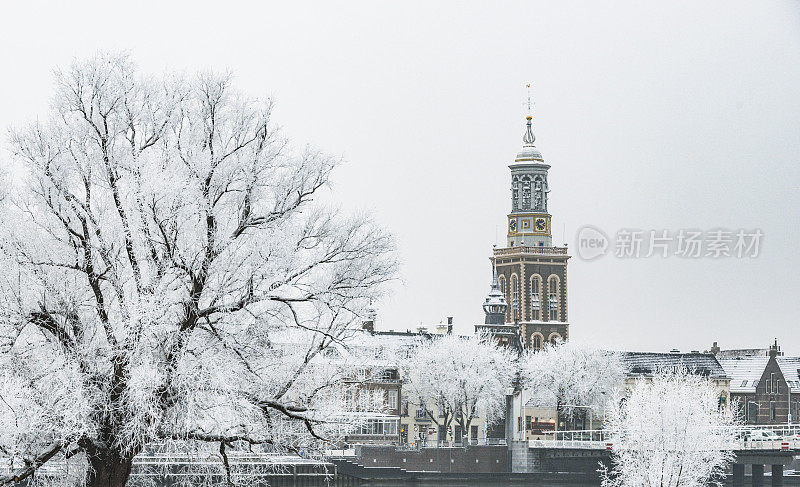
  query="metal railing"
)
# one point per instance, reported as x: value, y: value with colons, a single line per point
x: 530, y: 250
x: 418, y: 444
x: 778, y: 437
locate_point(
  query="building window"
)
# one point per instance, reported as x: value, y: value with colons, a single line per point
x: 514, y: 297
x: 772, y: 410
x: 379, y: 427
x: 536, y: 303
x: 526, y: 193
x: 536, y: 340
x: 540, y: 194
x: 553, y: 297
x: 515, y: 193
x: 349, y: 403
x: 554, y: 338
x: 392, y: 399
x: 752, y: 412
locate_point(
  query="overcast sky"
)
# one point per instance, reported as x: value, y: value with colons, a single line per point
x: 653, y: 115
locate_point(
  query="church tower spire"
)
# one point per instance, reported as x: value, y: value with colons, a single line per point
x: 531, y: 272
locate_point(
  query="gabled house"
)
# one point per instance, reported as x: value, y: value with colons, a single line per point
x: 766, y: 385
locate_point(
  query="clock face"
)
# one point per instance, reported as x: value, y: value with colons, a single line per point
x: 540, y: 224
x: 512, y: 225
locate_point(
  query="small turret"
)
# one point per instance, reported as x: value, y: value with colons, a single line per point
x: 495, y: 304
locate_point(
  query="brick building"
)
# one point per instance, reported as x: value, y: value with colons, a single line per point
x: 765, y: 385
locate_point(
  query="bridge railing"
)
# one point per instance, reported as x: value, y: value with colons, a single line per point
x: 766, y: 437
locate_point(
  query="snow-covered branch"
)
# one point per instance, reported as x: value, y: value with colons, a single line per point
x: 457, y: 378
x: 575, y: 375
x: 670, y: 430
x: 166, y: 272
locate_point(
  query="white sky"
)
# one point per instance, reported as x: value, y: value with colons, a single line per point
x: 653, y: 115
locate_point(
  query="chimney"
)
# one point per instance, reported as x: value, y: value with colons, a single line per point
x: 775, y: 349
x: 369, y: 322
x: 674, y: 350
x: 368, y: 325
x: 715, y: 348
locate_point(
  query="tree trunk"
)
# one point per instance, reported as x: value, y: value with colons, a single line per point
x: 108, y: 468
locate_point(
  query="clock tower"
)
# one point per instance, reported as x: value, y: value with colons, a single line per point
x: 532, y: 273
x: 529, y: 221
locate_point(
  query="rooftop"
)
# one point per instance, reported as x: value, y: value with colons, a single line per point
x: 745, y: 371
x: 743, y: 352
x: 647, y: 363
x: 790, y: 368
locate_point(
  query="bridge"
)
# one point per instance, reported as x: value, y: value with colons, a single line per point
x: 756, y: 446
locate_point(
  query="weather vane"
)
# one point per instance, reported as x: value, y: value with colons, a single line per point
x: 530, y: 104
x: 528, y: 86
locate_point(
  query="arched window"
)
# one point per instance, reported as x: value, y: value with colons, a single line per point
x: 514, y: 297
x: 526, y: 193
x: 515, y: 193
x: 535, y: 309
x: 501, y: 280
x: 553, y: 297
x: 536, y: 341
x: 554, y: 338
x: 539, y: 194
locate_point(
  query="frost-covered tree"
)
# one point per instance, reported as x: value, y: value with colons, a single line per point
x: 578, y: 376
x: 670, y: 432
x: 160, y: 246
x: 458, y: 378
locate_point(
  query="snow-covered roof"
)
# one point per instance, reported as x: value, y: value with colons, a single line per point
x: 646, y: 363
x: 743, y: 352
x: 790, y: 368
x: 744, y: 371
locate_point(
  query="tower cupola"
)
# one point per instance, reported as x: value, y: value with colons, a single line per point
x: 529, y: 153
